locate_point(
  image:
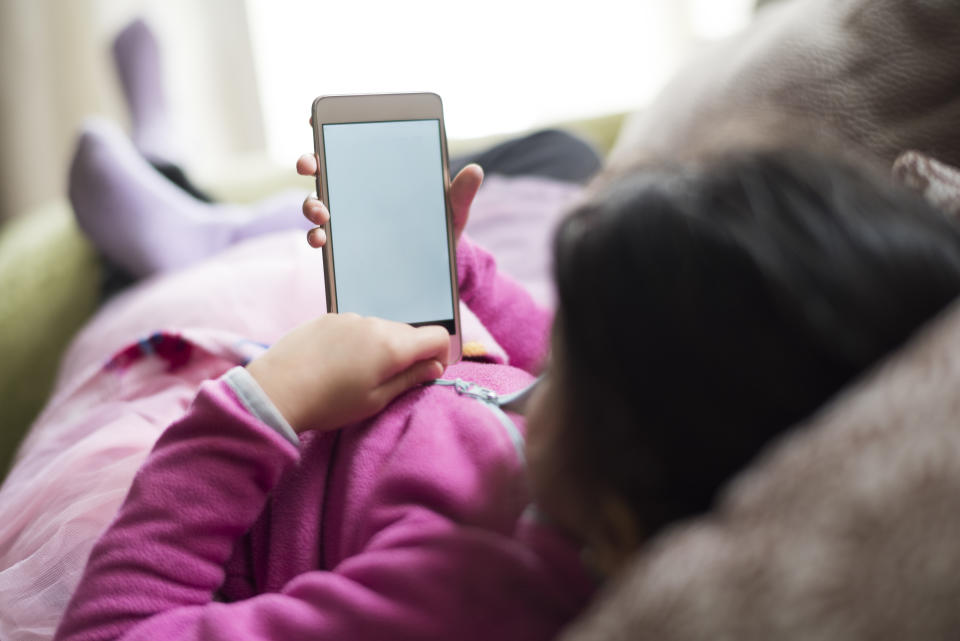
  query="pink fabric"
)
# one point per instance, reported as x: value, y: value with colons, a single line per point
x: 70, y: 478
x: 77, y: 463
x: 401, y: 527
x: 515, y: 218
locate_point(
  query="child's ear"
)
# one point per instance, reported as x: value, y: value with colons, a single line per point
x: 614, y: 536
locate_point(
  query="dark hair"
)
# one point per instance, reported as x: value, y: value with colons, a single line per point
x: 707, y: 306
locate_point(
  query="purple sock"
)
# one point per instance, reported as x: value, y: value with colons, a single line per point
x: 136, y: 54
x: 145, y: 223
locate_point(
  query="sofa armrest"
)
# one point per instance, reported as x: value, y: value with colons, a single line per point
x: 49, y: 279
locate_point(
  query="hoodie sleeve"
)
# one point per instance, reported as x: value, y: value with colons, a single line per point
x: 154, y: 573
x: 203, y: 485
x: 506, y: 309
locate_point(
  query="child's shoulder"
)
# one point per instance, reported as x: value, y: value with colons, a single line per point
x: 456, y: 411
x: 444, y: 450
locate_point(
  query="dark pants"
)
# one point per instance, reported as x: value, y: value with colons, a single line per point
x: 549, y: 153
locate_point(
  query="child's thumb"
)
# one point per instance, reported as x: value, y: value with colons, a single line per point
x: 421, y: 372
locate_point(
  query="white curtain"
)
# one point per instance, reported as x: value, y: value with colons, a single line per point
x: 56, y: 69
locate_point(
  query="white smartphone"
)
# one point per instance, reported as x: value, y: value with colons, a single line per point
x: 384, y: 178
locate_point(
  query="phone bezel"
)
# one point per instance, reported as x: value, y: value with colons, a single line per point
x: 358, y: 108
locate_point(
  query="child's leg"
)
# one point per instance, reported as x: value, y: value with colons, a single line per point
x: 136, y: 55
x: 144, y: 223
x: 148, y: 221
x: 132, y: 246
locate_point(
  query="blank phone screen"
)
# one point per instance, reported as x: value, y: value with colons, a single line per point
x: 388, y: 221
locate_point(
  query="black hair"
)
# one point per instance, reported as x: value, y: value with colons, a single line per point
x: 707, y: 306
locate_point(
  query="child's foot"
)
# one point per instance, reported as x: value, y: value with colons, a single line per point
x: 130, y: 212
x: 136, y: 54
x: 143, y: 222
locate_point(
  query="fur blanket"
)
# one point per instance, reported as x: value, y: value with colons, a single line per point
x: 939, y: 183
x: 880, y: 74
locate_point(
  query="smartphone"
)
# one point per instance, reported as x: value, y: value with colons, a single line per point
x: 384, y: 178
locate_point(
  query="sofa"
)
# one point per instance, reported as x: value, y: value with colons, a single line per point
x: 849, y: 526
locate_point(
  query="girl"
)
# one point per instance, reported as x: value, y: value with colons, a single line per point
x: 703, y: 308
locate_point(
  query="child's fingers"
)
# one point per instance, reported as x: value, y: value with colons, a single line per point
x: 416, y: 374
x: 315, y: 211
x: 463, y: 189
x: 317, y: 237
x: 307, y: 165
x: 403, y: 345
x: 427, y: 342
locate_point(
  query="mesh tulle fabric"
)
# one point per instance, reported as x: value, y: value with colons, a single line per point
x: 47, y: 532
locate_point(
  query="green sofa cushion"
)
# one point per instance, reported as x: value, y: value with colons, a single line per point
x: 49, y: 282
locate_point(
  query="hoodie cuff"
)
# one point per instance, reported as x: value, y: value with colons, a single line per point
x: 256, y: 401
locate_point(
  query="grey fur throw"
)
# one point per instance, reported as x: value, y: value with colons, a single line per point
x: 880, y: 74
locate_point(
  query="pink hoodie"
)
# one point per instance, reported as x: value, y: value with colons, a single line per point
x: 410, y: 525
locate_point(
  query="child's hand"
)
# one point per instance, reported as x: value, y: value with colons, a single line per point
x: 462, y: 191
x: 341, y: 368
